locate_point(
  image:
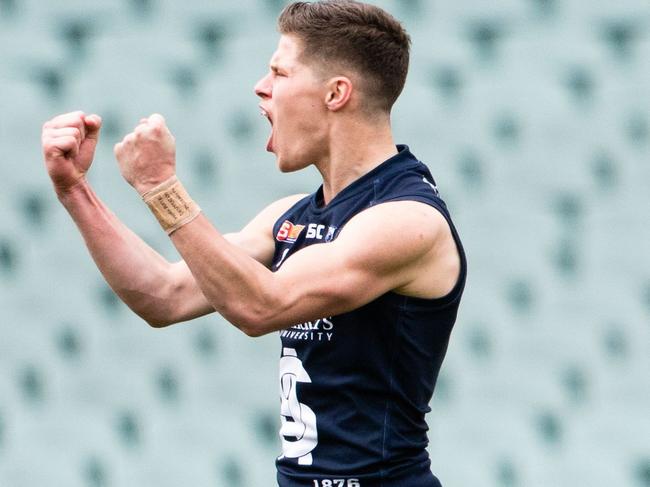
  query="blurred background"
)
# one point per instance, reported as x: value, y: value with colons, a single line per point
x: 534, y: 117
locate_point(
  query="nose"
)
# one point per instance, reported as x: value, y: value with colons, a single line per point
x: 263, y: 87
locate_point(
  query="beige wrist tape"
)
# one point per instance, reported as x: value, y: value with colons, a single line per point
x: 171, y: 205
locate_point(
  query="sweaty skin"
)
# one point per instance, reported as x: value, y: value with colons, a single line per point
x: 229, y: 273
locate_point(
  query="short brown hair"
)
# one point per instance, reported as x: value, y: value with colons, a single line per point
x: 357, y: 36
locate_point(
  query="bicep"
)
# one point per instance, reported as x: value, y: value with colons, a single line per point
x: 379, y: 250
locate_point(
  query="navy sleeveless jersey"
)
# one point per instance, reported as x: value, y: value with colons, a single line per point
x: 355, y: 387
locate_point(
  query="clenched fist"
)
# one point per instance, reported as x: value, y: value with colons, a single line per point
x: 69, y: 142
x: 147, y: 156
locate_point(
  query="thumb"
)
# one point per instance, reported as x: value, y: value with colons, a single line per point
x: 93, y: 123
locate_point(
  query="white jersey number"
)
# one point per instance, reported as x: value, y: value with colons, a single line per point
x: 298, y: 432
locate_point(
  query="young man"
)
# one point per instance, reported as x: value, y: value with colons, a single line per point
x: 361, y: 278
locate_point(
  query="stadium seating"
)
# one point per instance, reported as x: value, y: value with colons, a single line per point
x: 534, y: 116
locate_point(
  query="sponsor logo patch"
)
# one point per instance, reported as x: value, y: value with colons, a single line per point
x: 289, y: 232
x: 315, y: 231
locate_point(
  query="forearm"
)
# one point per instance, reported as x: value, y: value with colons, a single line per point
x: 140, y: 276
x: 237, y: 286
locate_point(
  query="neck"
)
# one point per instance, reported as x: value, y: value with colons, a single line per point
x: 355, y: 149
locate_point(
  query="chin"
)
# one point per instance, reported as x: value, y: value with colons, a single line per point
x: 285, y: 168
x: 286, y: 165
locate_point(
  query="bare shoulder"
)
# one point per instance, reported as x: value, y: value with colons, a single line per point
x: 268, y: 216
x: 256, y: 238
x: 410, y: 222
x: 413, y: 237
x: 278, y: 207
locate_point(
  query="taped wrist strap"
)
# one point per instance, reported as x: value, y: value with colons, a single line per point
x: 171, y: 205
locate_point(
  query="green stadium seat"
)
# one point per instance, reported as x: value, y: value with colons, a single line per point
x: 533, y: 116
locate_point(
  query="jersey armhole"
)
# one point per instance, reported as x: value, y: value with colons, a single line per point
x: 459, y: 286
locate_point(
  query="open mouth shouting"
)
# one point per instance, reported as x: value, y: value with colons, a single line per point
x: 269, y: 143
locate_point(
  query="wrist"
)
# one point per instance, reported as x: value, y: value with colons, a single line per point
x: 64, y: 193
x: 171, y: 204
x: 150, y: 186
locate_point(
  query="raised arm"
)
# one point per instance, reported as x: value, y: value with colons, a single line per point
x: 405, y: 246
x: 157, y: 290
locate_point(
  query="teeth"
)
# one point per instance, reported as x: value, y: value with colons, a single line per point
x: 266, y: 114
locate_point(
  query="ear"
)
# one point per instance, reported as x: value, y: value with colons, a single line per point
x: 338, y: 93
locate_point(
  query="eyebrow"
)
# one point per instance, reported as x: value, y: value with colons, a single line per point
x: 277, y: 65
